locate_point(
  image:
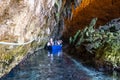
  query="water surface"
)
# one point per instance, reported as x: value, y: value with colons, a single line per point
x: 42, y: 65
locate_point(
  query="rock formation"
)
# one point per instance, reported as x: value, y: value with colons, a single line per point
x: 25, y: 19
x: 26, y: 25
x: 104, y: 10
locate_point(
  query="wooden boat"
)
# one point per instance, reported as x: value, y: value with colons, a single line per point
x: 55, y: 47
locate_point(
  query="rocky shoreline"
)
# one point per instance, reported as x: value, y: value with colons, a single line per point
x: 105, y: 56
x: 17, y: 54
x: 89, y: 60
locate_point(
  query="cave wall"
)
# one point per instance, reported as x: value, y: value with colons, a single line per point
x: 26, y: 26
x: 104, y: 10
x: 24, y: 20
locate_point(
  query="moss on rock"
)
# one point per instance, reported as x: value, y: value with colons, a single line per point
x: 103, y: 44
x: 11, y: 56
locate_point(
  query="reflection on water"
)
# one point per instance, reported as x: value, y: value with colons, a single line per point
x: 49, y: 65
x: 54, y: 53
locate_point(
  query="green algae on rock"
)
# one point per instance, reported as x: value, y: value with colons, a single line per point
x: 104, y: 44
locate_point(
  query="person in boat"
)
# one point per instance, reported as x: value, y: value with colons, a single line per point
x: 59, y: 42
x: 51, y: 42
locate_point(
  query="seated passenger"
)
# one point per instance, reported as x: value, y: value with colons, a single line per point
x: 59, y: 42
x: 50, y: 42
x: 56, y: 42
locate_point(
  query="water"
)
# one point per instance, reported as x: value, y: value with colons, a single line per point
x: 58, y: 66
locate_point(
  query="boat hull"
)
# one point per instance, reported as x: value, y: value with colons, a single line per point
x: 55, y: 47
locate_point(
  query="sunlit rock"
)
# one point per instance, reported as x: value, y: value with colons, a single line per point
x: 24, y: 19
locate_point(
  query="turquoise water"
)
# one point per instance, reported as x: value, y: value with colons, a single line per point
x: 42, y: 65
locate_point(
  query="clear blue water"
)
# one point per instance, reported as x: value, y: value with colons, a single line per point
x: 42, y: 65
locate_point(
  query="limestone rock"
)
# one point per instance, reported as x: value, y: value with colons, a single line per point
x: 25, y: 19
x: 104, y: 10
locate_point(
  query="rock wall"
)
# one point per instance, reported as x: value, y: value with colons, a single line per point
x: 21, y: 22
x: 104, y: 10
x: 25, y: 19
x: 27, y: 24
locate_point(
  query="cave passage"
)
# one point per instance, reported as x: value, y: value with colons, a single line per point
x: 45, y: 66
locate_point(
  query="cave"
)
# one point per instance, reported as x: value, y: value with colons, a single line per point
x: 89, y: 29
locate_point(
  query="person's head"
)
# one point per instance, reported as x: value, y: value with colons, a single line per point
x: 60, y: 41
x: 51, y: 39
